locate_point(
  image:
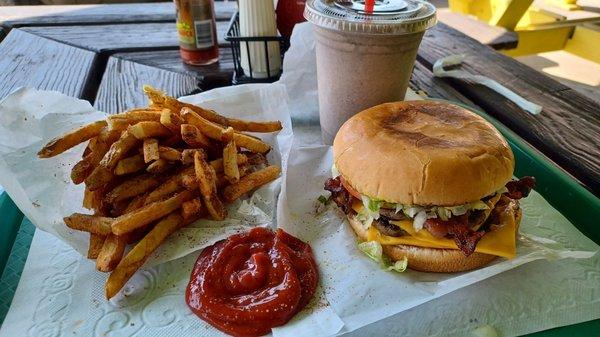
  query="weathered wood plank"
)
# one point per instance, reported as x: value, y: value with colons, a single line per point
x: 422, y: 79
x: 493, y: 36
x: 29, y: 60
x: 567, y: 130
x: 120, y: 37
x: 215, y: 75
x: 121, y: 86
x: 18, y: 16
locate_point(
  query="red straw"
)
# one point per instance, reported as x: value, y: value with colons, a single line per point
x: 369, y: 4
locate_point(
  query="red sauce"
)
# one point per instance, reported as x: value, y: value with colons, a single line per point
x: 253, y: 281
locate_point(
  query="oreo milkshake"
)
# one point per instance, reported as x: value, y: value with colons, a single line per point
x: 364, y: 58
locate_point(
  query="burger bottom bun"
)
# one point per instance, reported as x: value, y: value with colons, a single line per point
x: 431, y: 259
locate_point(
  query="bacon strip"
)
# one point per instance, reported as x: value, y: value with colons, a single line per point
x: 339, y: 195
x: 457, y: 228
x: 518, y: 189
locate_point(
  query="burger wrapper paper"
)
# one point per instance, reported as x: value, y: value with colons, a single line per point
x: 42, y: 188
x: 515, y: 298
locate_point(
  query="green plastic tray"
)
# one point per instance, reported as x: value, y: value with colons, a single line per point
x: 576, y: 203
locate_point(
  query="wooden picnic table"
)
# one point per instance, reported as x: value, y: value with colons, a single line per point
x: 102, y: 52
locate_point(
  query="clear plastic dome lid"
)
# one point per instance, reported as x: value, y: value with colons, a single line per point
x: 386, y: 17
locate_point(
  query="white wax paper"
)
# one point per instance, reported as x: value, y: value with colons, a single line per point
x: 357, y: 289
x: 42, y: 188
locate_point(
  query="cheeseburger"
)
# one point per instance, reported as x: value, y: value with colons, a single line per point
x: 429, y: 181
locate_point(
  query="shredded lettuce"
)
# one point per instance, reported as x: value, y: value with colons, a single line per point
x: 374, y: 251
x: 411, y: 211
x: 365, y: 220
x: 371, y: 207
x: 374, y: 205
x: 334, y: 171
x: 398, y: 207
x: 323, y: 199
x: 398, y: 266
x: 419, y: 220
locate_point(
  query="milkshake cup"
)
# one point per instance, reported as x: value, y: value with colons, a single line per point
x: 364, y: 57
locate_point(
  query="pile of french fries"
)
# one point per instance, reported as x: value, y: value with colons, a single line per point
x: 150, y: 171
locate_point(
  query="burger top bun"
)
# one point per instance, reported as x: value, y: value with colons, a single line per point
x: 422, y: 153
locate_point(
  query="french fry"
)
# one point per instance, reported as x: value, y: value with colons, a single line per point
x: 208, y: 190
x: 227, y: 134
x: 138, y: 255
x: 251, y: 143
x: 131, y: 188
x: 190, y: 182
x: 90, y: 146
x: 92, y: 200
x: 170, y: 186
x: 187, y: 155
x: 217, y: 164
x: 173, y: 141
x: 230, y: 164
x: 155, y: 96
x: 169, y: 153
x: 215, y: 131
x: 193, y: 137
x: 88, y: 199
x: 191, y: 208
x: 243, y: 125
x: 111, y: 252
x: 150, y: 149
x: 250, y: 182
x: 138, y: 115
x: 84, y: 167
x: 144, y: 130
x: 171, y: 120
x: 119, y: 124
x: 138, y: 234
x: 137, y: 202
x: 208, y: 128
x: 123, y: 120
x: 107, y: 138
x: 117, y: 208
x: 129, y: 222
x: 130, y: 165
x: 96, y: 243
x: 103, y: 173
x: 159, y: 166
x: 70, y: 139
x: 89, y: 223
x: 118, y: 150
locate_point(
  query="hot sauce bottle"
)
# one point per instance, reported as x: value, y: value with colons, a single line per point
x: 197, y: 31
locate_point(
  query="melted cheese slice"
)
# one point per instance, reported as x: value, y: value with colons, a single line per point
x: 500, y: 242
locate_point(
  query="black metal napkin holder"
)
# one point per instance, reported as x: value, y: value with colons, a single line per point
x: 238, y: 42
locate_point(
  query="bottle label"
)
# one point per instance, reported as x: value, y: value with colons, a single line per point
x: 204, y: 34
x: 195, y: 24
